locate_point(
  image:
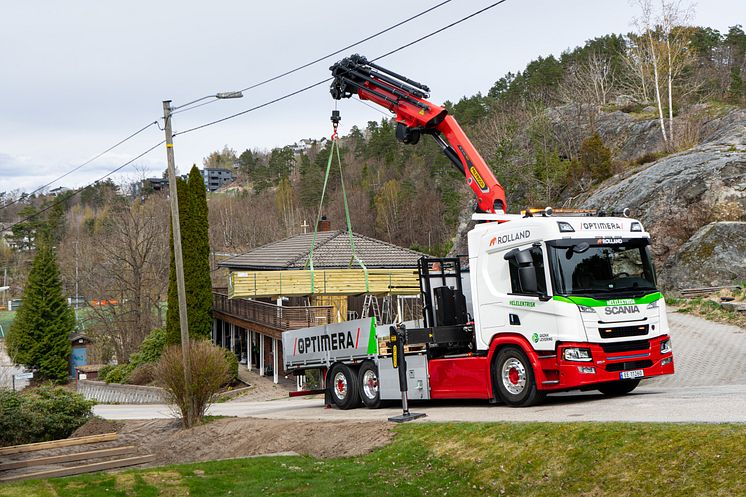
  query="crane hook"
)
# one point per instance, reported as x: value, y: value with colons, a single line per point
x: 335, y: 122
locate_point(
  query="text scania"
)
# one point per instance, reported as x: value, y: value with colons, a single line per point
x: 626, y: 309
x: 321, y: 343
x: 512, y: 237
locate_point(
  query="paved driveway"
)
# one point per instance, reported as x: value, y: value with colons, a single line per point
x: 709, y: 386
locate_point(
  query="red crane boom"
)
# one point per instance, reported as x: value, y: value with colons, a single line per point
x: 415, y: 116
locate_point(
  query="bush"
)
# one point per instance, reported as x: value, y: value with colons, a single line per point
x: 151, y: 348
x: 142, y: 374
x: 41, y: 414
x: 118, y: 373
x: 210, y: 370
x: 232, y: 360
x: 137, y: 371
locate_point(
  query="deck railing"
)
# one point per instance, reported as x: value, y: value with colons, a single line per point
x: 274, y: 316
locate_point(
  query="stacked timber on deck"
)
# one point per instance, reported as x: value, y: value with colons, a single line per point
x: 291, y: 283
x: 282, y: 268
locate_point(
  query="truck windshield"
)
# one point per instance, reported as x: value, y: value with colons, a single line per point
x: 622, y: 267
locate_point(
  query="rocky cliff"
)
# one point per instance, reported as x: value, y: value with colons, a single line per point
x: 693, y: 203
x: 676, y: 196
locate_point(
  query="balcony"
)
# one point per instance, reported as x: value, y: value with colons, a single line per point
x: 269, y: 315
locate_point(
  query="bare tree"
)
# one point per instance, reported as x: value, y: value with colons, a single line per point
x: 662, y: 43
x: 126, y: 262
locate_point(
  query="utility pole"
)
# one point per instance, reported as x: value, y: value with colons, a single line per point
x: 179, y: 258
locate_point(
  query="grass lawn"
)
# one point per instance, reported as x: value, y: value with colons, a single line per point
x: 6, y: 317
x: 518, y: 459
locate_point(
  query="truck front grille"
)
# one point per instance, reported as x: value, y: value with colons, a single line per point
x: 614, y: 348
x: 628, y: 365
x: 623, y: 331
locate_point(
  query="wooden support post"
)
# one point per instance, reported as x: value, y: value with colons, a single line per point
x: 215, y: 331
x: 233, y: 337
x: 261, y: 354
x: 275, y: 369
x: 250, y: 348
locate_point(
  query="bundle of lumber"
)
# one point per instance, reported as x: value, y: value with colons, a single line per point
x: 16, y: 465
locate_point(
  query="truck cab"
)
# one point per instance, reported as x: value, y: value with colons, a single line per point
x: 576, y: 294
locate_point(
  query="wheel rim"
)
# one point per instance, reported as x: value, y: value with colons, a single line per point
x: 340, y: 386
x: 514, y: 376
x: 370, y: 384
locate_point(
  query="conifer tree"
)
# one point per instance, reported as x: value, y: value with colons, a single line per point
x: 196, y: 254
x: 199, y: 296
x: 39, y: 337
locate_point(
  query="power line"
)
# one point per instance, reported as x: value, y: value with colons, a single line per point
x: 332, y: 54
x: 439, y: 30
x: 79, y: 190
x: 306, y: 88
x: 85, y: 163
x: 265, y: 104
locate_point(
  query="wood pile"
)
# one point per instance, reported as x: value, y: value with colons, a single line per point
x: 325, y: 282
x: 35, y: 460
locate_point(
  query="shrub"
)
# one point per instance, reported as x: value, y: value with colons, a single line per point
x: 137, y: 371
x: 210, y: 370
x: 142, y: 374
x: 151, y: 348
x: 41, y: 414
x: 232, y: 360
x: 118, y: 373
x: 595, y: 157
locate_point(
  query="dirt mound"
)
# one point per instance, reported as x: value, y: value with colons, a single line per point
x: 97, y: 426
x: 243, y: 437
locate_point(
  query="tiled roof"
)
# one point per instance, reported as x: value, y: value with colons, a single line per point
x: 332, y: 251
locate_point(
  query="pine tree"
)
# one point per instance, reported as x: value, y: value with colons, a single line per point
x: 40, y: 334
x: 196, y: 254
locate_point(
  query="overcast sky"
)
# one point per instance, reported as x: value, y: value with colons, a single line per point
x: 78, y: 76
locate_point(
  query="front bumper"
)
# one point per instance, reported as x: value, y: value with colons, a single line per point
x: 608, y: 362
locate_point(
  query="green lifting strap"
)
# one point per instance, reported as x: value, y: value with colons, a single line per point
x: 334, y: 147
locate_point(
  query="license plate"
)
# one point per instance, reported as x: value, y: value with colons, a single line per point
x: 631, y: 375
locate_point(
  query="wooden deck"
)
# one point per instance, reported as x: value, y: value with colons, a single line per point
x: 268, y: 318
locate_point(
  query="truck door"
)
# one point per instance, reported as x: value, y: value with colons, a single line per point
x: 515, y: 298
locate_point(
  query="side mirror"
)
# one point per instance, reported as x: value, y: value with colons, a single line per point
x: 527, y: 275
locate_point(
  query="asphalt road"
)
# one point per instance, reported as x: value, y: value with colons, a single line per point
x: 709, y: 387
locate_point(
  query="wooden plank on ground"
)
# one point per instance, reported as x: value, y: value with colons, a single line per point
x: 77, y: 456
x: 86, y: 468
x: 65, y: 442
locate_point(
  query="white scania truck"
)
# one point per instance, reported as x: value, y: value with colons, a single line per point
x: 552, y: 303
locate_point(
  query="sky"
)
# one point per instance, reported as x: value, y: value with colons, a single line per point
x: 79, y: 76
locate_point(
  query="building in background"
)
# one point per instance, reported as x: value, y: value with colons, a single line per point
x: 215, y: 178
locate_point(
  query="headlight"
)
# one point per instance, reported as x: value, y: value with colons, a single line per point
x: 666, y: 346
x: 585, y: 308
x: 653, y: 305
x: 577, y: 354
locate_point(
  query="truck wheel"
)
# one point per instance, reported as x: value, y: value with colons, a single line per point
x: 343, y: 385
x: 369, y: 386
x: 621, y: 387
x: 514, y: 379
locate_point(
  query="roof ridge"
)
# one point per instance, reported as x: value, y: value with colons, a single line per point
x: 376, y: 240
x: 307, y: 253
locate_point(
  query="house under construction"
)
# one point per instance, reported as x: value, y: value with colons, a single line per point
x: 272, y: 289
